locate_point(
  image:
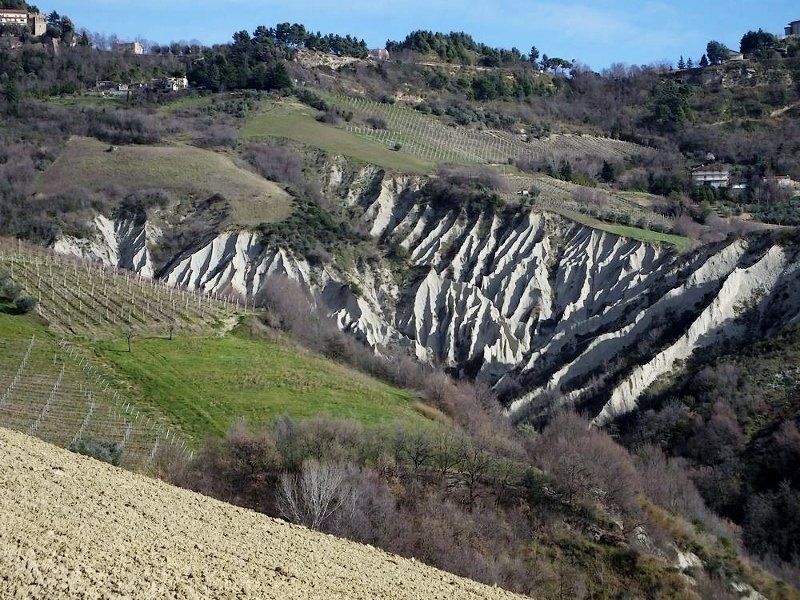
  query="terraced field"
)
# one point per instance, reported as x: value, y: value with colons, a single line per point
x: 69, y: 373
x: 82, y: 298
x: 292, y: 120
x: 51, y: 389
x: 602, y: 209
x: 433, y: 140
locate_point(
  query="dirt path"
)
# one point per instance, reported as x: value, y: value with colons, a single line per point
x: 74, y: 527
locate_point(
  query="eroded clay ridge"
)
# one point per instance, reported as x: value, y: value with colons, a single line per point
x: 528, y: 302
x: 75, y: 527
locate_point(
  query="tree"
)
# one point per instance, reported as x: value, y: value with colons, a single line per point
x: 534, y: 56
x: 690, y: 63
x: 757, y: 42
x: 608, y: 172
x: 716, y: 52
x: 704, y: 61
x: 11, y: 92
x: 314, y: 496
x: 681, y: 63
x: 25, y: 303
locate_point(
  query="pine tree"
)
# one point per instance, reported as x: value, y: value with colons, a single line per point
x: 690, y: 63
x: 681, y: 63
x: 704, y: 61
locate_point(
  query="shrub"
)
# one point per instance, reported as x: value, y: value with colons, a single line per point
x: 218, y: 136
x: 377, y: 122
x: 106, y: 451
x: 25, y: 303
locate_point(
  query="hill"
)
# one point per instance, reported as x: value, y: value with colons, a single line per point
x: 183, y: 170
x: 69, y: 361
x: 74, y: 526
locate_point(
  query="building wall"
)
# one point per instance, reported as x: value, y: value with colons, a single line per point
x: 713, y: 178
x: 37, y: 24
x: 793, y: 28
x: 13, y: 17
x: 132, y: 48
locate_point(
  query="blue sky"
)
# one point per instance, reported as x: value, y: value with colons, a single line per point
x: 595, y: 32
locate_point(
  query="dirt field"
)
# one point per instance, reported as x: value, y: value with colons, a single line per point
x: 72, y: 527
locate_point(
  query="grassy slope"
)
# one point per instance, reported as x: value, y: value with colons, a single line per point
x: 182, y: 169
x: 295, y: 121
x: 203, y: 384
x: 643, y: 235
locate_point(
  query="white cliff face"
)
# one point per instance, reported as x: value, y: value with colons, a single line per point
x: 234, y: 262
x: 121, y: 243
x: 532, y: 303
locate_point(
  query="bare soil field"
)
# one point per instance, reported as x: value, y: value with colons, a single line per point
x: 73, y: 527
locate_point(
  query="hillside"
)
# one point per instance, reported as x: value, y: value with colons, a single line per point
x: 414, y: 272
x: 67, y: 368
x: 74, y: 526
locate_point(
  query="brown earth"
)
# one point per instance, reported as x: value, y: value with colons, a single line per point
x: 73, y: 527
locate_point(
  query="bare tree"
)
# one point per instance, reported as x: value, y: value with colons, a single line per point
x: 129, y: 336
x: 314, y: 496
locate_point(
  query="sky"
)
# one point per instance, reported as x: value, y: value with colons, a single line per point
x: 594, y: 32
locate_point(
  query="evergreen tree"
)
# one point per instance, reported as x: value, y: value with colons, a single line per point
x: 704, y: 61
x: 690, y: 63
x: 681, y: 63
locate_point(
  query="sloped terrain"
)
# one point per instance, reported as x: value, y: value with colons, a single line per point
x: 75, y: 527
x: 525, y: 300
x: 183, y: 170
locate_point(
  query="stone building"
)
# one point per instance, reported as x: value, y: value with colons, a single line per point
x: 793, y: 29
x: 128, y: 48
x: 35, y: 22
x: 379, y: 54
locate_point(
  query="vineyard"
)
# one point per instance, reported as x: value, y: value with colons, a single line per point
x: 610, y: 206
x: 434, y: 141
x: 50, y: 390
x: 81, y: 298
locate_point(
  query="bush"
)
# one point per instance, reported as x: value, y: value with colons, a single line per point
x: 377, y: 122
x: 25, y: 303
x: 218, y: 136
x: 108, y: 452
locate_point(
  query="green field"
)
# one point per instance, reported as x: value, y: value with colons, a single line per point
x: 179, y: 168
x: 203, y: 384
x: 198, y: 386
x: 292, y: 120
x: 680, y: 243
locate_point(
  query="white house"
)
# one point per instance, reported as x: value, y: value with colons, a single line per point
x: 716, y: 177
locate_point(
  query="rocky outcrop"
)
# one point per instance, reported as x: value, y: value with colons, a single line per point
x: 540, y: 307
x: 122, y: 243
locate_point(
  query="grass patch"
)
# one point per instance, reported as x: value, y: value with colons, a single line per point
x: 293, y: 120
x: 203, y: 384
x: 15, y: 327
x: 181, y: 169
x: 680, y: 243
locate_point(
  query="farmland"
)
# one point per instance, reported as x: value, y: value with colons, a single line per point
x: 50, y: 389
x: 204, y: 383
x: 90, y: 300
x: 295, y: 121
x: 433, y: 140
x: 185, y: 171
x: 69, y: 375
